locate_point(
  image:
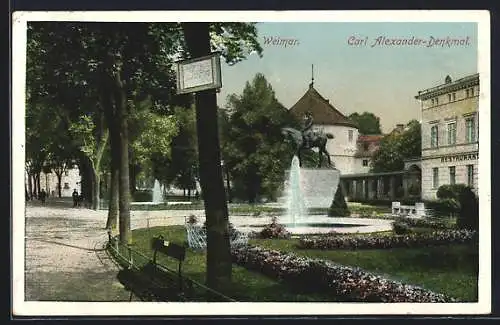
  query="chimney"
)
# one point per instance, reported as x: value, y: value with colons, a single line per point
x: 400, y: 127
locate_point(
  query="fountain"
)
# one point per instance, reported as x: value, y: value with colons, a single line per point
x: 157, y: 196
x: 295, y: 204
x: 157, y: 193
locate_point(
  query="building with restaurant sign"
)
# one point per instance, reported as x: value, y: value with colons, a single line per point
x: 450, y: 128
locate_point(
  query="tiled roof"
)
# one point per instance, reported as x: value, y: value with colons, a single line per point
x: 322, y: 111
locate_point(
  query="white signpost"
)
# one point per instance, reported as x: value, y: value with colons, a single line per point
x: 199, y: 74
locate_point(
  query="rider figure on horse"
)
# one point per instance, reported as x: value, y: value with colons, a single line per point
x: 307, y: 131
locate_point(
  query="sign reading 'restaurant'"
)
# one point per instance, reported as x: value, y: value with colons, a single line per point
x: 461, y: 157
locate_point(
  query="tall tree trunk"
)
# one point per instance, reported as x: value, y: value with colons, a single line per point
x: 114, y: 143
x: 30, y: 187
x: 124, y: 182
x: 112, y: 221
x: 59, y: 180
x: 38, y: 187
x: 219, y: 265
x: 96, y: 181
x: 133, y: 175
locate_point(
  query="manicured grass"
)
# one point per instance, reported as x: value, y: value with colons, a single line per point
x: 245, y: 285
x: 451, y: 270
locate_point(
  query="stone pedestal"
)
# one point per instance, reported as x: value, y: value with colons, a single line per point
x: 319, y: 186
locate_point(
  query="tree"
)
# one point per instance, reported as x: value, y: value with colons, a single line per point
x: 92, y: 146
x: 368, y: 123
x: 396, y: 147
x: 183, y: 167
x: 339, y: 207
x: 255, y: 150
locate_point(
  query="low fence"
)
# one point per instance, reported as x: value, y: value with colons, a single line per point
x: 128, y: 257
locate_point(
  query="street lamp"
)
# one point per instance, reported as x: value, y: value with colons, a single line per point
x: 226, y: 170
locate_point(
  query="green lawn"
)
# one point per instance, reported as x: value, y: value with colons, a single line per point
x: 446, y: 269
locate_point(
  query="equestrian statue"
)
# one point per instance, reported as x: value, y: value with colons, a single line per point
x: 307, y: 138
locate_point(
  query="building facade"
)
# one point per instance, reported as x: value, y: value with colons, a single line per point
x: 70, y: 180
x: 450, y: 128
x: 326, y: 118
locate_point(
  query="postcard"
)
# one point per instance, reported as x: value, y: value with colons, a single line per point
x: 251, y: 163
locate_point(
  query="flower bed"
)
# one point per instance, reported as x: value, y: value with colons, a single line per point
x: 346, y: 283
x: 443, y: 237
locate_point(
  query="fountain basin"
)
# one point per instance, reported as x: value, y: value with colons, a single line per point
x: 315, y: 224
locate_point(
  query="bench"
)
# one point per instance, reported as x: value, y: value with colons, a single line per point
x: 153, y: 282
x: 417, y: 210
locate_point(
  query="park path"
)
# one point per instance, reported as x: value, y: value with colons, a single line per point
x: 64, y: 256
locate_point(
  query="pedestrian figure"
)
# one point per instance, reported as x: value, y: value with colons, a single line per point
x: 43, y: 196
x: 75, y: 198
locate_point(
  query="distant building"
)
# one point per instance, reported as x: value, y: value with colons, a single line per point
x: 450, y: 128
x: 326, y: 117
x: 70, y: 180
x: 367, y: 145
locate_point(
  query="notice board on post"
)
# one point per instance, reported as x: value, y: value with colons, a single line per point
x: 199, y: 74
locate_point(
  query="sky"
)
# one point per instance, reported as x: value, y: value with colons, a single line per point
x: 382, y: 80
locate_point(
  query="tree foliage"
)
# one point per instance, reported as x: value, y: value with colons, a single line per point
x: 396, y: 147
x: 254, y: 149
x: 368, y: 123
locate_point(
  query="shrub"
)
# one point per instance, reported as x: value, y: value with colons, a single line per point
x: 468, y: 217
x: 274, y: 230
x: 450, y: 191
x: 416, y: 239
x: 142, y: 196
x: 401, y: 228
x: 425, y: 223
x: 347, y: 283
x: 339, y: 206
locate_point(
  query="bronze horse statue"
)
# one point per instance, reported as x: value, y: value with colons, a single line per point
x: 308, y: 139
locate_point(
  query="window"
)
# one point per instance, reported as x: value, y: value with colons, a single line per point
x: 452, y: 175
x: 365, y: 162
x: 470, y: 135
x: 435, y: 177
x: 470, y: 175
x: 437, y: 100
x: 452, y: 133
x: 351, y: 135
x: 66, y: 186
x: 469, y: 92
x: 366, y: 146
x: 66, y: 173
x: 434, y: 136
x: 454, y: 96
x: 449, y: 97
x: 432, y: 102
